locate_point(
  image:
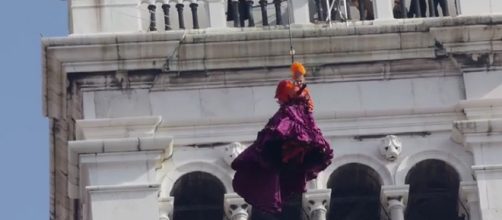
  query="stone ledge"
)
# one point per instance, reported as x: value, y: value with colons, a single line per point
x: 475, y: 132
x: 479, y: 126
x: 393, y: 122
x: 76, y: 148
x: 123, y: 188
x: 160, y: 149
x: 120, y: 157
x: 117, y: 127
x: 497, y: 168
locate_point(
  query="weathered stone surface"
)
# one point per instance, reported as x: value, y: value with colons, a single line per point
x: 411, y: 78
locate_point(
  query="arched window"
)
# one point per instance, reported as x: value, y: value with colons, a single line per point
x: 198, y: 196
x: 355, y: 193
x: 433, y: 191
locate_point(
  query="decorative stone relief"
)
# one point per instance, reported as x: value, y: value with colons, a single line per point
x: 391, y: 147
x: 236, y: 208
x: 231, y: 151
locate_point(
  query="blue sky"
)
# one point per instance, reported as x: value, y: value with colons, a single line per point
x: 24, y: 135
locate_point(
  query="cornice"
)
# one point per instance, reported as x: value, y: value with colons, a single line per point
x: 208, y: 51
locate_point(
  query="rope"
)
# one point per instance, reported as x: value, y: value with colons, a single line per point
x: 291, y: 47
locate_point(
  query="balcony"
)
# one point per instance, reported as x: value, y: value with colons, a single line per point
x: 114, y: 16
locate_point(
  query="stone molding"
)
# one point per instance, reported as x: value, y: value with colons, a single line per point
x: 478, y: 131
x: 76, y: 149
x: 118, y: 52
x: 375, y: 164
x: 168, y: 178
x: 464, y: 171
x: 117, y: 127
x: 123, y: 188
x: 331, y: 125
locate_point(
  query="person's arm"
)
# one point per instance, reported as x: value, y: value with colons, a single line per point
x: 302, y: 88
x: 305, y: 93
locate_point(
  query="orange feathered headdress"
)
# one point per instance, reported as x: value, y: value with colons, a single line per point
x: 298, y: 67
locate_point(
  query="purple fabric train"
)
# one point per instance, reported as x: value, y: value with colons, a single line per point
x: 287, y: 153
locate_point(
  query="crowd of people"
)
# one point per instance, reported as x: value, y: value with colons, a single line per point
x: 419, y: 9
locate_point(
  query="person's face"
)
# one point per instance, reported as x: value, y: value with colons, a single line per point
x: 298, y: 77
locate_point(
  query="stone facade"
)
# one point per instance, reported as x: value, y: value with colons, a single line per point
x: 411, y: 106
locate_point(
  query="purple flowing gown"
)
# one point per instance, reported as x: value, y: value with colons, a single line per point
x: 262, y: 178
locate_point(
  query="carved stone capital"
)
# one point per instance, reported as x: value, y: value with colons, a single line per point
x: 316, y: 203
x: 395, y: 198
x: 236, y: 208
x: 391, y: 195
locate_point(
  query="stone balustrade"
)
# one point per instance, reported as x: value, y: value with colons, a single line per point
x: 88, y: 16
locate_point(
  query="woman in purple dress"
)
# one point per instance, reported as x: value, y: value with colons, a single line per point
x: 287, y: 153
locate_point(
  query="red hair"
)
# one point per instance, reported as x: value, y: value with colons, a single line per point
x: 284, y: 90
x: 297, y: 67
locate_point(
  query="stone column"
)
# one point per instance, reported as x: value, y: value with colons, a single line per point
x: 166, y: 208
x: 316, y: 203
x: 195, y: 17
x: 181, y: 18
x: 278, y: 12
x: 299, y: 11
x: 153, y: 23
x: 217, y: 13
x: 396, y: 208
x: 383, y: 10
x: 468, y: 192
x: 395, y: 198
x: 236, y: 208
x: 167, y: 21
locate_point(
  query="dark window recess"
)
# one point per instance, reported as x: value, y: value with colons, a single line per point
x: 433, y: 191
x: 198, y: 196
x: 355, y: 193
